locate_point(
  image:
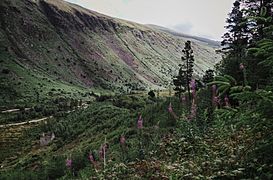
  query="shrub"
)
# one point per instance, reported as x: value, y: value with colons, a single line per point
x: 55, y: 167
x: 129, y: 102
x: 102, y: 98
x: 19, y: 174
x: 5, y: 71
x: 80, y: 161
x: 151, y: 94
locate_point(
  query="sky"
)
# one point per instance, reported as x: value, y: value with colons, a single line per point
x: 205, y: 18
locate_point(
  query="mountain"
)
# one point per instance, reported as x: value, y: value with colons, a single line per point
x: 50, y: 46
x: 209, y: 42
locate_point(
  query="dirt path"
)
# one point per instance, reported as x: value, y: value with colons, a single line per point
x: 84, y: 106
x: 13, y: 110
x: 26, y: 122
x: 10, y: 110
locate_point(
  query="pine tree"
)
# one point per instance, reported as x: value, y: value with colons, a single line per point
x: 249, y: 41
x: 185, y: 71
x: 260, y: 57
x: 208, y: 76
x: 180, y: 80
x: 234, y: 42
x: 259, y: 15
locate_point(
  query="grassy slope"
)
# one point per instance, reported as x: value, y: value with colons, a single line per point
x: 23, y: 86
x: 33, y: 62
x: 222, y: 148
x: 74, y: 47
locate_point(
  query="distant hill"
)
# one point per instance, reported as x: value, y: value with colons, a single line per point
x: 209, y: 42
x: 53, y: 44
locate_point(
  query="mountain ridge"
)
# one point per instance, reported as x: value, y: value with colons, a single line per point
x: 210, y: 42
x: 75, y: 46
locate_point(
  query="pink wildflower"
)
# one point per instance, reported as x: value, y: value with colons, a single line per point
x: 183, y: 99
x: 68, y: 163
x: 122, y: 140
x: 193, y: 84
x: 140, y: 122
x: 214, y: 88
x: 227, y: 104
x: 216, y: 101
x: 193, y: 111
x: 91, y: 158
x: 103, y: 149
x: 170, y: 108
x: 242, y: 67
x: 193, y: 88
x: 214, y: 98
x: 101, y: 153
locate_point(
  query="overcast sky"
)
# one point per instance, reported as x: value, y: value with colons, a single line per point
x: 204, y: 18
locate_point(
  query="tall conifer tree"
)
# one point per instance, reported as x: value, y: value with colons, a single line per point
x: 235, y: 42
x: 185, y: 71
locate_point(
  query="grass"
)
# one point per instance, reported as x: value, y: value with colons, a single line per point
x: 164, y: 148
x: 54, y: 58
x: 31, y: 87
x: 85, y: 130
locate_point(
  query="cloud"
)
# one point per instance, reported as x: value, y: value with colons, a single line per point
x: 126, y: 1
x: 183, y: 28
x: 196, y: 17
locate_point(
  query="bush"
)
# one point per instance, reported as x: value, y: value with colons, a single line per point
x: 103, y: 98
x: 79, y: 161
x: 22, y: 175
x: 151, y: 94
x: 129, y: 102
x: 55, y: 167
x: 5, y: 71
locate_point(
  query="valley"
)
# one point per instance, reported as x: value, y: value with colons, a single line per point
x: 84, y: 95
x: 50, y: 45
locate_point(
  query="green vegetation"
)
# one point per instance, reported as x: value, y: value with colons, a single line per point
x: 111, y: 55
x: 182, y: 80
x: 232, y: 143
x: 221, y: 131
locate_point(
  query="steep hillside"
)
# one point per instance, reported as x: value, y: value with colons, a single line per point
x: 52, y: 43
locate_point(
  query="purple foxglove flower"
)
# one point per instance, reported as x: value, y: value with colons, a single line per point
x: 242, y: 67
x: 68, y: 163
x: 193, y: 88
x: 194, y: 94
x: 193, y: 84
x: 193, y: 110
x: 103, y: 149
x: 183, y: 98
x: 101, y: 153
x: 140, y: 122
x: 170, y: 108
x: 227, y: 104
x: 91, y: 158
x: 214, y: 88
x: 122, y: 140
x: 214, y: 98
